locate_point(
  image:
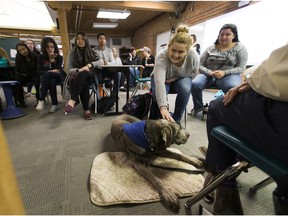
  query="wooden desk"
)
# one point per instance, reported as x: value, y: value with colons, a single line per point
x: 116, y: 69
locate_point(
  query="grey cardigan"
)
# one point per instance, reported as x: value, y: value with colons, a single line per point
x: 232, y: 61
x: 164, y: 70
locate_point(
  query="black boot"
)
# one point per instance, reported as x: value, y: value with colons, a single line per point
x: 280, y: 203
x: 227, y: 202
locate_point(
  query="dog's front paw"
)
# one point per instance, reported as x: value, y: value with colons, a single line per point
x: 171, y: 200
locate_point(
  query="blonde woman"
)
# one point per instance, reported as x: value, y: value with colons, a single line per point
x: 174, y: 69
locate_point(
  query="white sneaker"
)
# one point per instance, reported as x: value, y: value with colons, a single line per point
x: 40, y: 105
x: 53, y: 109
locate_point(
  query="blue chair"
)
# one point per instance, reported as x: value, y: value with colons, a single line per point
x: 274, y: 167
x: 141, y: 82
x: 11, y: 111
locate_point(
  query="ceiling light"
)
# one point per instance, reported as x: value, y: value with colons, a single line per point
x: 113, y: 14
x: 19, y: 14
x: 105, y: 25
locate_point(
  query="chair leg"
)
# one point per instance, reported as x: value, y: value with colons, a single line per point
x: 229, y: 173
x: 137, y: 87
x: 261, y: 184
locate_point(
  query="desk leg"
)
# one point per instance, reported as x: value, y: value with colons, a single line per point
x: 116, y: 95
x: 128, y: 84
x: 11, y: 111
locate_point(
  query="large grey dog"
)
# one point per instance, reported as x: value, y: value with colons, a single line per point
x: 144, y: 140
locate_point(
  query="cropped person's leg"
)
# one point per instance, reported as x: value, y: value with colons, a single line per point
x: 78, y: 85
x: 228, y: 82
x: 84, y: 96
x: 261, y: 121
x: 18, y: 91
x: 36, y: 81
x: 53, y: 88
x: 198, y: 84
x: 132, y: 76
x: 182, y: 87
x: 45, y: 82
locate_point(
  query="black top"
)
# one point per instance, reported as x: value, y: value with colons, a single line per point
x: 148, y: 70
x: 26, y: 67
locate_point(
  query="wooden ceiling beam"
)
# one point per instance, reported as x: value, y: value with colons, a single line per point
x: 67, y: 5
x: 130, y: 5
x: 26, y: 31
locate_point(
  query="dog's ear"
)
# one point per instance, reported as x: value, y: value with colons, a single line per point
x: 166, y: 135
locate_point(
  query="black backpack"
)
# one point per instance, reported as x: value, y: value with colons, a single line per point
x: 105, y: 104
x: 138, y: 105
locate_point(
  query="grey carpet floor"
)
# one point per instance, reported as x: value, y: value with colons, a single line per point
x: 52, y: 155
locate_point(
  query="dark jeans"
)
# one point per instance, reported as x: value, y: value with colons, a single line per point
x: 49, y: 81
x: 80, y: 87
x: 181, y: 87
x: 260, y: 120
x: 18, y: 90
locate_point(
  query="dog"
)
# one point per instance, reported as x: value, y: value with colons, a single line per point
x: 144, y: 140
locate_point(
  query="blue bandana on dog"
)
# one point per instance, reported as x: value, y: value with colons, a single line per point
x: 136, y: 133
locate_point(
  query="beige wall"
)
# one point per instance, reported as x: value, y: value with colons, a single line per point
x: 196, y: 12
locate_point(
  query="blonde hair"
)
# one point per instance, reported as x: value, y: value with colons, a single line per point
x: 4, y: 54
x: 182, y: 36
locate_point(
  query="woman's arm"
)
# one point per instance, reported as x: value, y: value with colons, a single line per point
x: 202, y: 68
x: 242, y: 58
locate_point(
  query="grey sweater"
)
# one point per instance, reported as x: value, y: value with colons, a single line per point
x: 232, y: 61
x: 164, y: 70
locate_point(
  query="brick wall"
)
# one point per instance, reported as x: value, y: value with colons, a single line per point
x: 195, y: 12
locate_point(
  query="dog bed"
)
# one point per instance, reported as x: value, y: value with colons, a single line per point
x: 113, y: 180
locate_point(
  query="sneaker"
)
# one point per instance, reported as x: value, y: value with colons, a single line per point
x: 194, y: 112
x: 53, y: 109
x: 40, y: 105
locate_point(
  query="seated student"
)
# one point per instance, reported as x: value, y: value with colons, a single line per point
x: 221, y: 65
x: 174, y: 68
x: 257, y: 111
x: 4, y: 58
x: 50, y: 70
x: 148, y: 61
x: 195, y: 45
x: 106, y: 55
x: 26, y: 71
x: 133, y: 59
x: 81, y: 61
x: 31, y: 45
x: 117, y: 61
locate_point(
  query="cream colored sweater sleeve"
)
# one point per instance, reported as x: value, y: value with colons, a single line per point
x: 270, y: 79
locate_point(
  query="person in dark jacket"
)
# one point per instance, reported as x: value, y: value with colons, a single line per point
x: 50, y: 71
x: 26, y: 71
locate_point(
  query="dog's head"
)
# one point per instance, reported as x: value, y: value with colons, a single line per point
x: 166, y: 133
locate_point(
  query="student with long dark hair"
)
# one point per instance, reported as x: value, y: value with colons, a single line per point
x: 81, y: 61
x: 26, y: 71
x: 50, y: 71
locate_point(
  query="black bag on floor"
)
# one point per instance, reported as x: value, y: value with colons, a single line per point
x: 105, y: 104
x: 138, y: 105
